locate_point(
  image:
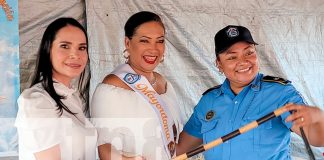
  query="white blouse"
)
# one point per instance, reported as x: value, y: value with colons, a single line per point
x: 40, y: 126
x: 125, y: 119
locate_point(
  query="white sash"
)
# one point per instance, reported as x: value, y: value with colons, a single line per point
x: 142, y: 86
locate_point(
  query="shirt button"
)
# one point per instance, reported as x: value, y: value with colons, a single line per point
x: 236, y: 102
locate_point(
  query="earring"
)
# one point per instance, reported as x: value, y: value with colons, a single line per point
x: 162, y: 59
x: 126, y: 55
x: 221, y: 73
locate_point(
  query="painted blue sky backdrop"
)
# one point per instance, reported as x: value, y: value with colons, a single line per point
x: 9, y: 79
x: 9, y: 29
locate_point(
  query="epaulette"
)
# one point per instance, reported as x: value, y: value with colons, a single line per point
x: 210, y: 89
x: 275, y: 79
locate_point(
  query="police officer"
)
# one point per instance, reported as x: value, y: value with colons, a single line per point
x: 245, y: 96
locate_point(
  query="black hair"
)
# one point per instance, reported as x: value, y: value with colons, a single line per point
x: 139, y: 18
x: 44, y: 74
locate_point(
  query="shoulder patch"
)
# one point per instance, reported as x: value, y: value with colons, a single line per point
x: 275, y: 79
x: 210, y: 89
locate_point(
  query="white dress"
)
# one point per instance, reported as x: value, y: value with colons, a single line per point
x: 40, y: 127
x: 124, y: 119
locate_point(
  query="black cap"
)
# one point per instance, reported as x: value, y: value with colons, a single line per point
x: 230, y: 35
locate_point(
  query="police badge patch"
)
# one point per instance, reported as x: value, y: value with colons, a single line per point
x: 232, y: 32
x: 131, y: 78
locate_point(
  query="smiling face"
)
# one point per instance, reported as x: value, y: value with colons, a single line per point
x: 239, y: 64
x: 68, y: 54
x: 146, y: 47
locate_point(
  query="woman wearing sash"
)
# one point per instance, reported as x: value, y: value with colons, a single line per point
x: 51, y: 119
x: 135, y: 108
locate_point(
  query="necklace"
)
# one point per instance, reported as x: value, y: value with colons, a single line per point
x: 154, y: 80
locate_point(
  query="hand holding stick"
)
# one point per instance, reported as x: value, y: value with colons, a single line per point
x: 233, y: 134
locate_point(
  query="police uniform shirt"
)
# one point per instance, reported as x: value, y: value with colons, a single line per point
x: 220, y: 112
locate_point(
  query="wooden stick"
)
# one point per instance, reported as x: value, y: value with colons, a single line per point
x: 233, y: 134
x: 308, y: 147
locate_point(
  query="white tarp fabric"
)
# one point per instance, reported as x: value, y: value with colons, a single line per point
x: 290, y: 36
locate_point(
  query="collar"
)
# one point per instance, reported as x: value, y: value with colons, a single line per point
x: 63, y: 90
x: 254, y: 85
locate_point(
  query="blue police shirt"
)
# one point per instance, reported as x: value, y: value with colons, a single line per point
x: 270, y: 140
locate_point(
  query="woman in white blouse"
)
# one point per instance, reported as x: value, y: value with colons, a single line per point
x: 51, y: 119
x: 129, y: 125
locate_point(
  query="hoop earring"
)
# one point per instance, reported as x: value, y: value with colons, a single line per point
x: 221, y: 73
x: 126, y: 55
x: 162, y: 59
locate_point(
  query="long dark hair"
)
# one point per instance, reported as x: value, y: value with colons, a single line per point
x: 139, y: 18
x: 44, y: 66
